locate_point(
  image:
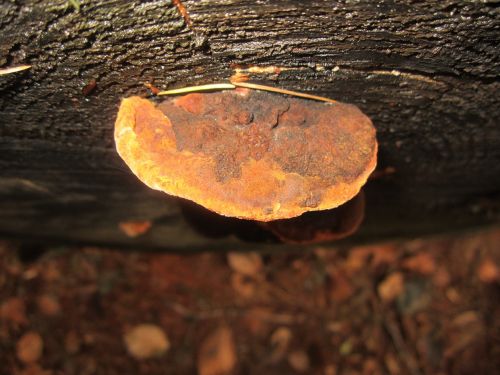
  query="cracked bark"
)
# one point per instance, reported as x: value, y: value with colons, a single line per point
x: 425, y: 72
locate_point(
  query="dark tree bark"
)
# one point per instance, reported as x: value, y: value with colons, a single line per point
x: 427, y: 73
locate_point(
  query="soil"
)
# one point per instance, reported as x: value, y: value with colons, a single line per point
x: 426, y: 306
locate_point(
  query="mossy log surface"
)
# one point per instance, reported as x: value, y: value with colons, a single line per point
x: 427, y: 74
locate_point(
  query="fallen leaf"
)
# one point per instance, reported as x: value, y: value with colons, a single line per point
x: 488, y: 271
x: 14, y: 311
x: 453, y: 295
x: 467, y: 329
x: 257, y: 321
x: 135, y: 228
x: 391, y: 287
x: 51, y: 271
x: 146, y: 341
x: 48, y: 305
x: 299, y: 360
x: 280, y: 341
x: 243, y: 285
x: 72, y: 342
x: 466, y: 318
x: 422, y: 263
x: 29, y: 347
x: 217, y: 354
x: 340, y: 287
x: 385, y: 254
x: 392, y: 364
x: 441, y: 277
x: 357, y: 259
x: 249, y: 264
x: 346, y: 347
x: 371, y: 367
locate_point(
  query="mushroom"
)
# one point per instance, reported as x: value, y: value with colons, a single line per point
x: 248, y: 154
x: 320, y: 226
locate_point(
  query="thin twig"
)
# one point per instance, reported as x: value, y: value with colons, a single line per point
x: 211, y: 86
x: 400, y: 345
x: 256, y: 86
x: 392, y: 328
x: 14, y: 69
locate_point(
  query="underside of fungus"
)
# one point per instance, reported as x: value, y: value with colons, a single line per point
x: 246, y: 153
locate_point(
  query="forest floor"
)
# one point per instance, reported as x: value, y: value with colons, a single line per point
x: 425, y: 306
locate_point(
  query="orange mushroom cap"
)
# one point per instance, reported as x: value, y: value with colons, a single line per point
x: 248, y: 154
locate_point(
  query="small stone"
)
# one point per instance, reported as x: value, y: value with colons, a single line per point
x: 29, y: 347
x: 146, y: 341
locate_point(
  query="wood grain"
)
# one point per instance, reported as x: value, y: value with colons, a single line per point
x: 425, y: 72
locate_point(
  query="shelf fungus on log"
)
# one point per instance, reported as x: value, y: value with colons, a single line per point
x: 321, y: 226
x: 248, y: 154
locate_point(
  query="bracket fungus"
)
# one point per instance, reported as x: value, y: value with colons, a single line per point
x: 248, y: 154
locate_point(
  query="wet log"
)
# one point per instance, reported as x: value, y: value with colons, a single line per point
x: 426, y: 73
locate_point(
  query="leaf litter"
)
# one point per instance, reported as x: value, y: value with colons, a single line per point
x: 426, y: 306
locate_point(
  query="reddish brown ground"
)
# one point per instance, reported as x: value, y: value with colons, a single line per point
x: 427, y: 306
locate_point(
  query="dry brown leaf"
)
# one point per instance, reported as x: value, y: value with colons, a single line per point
x: 249, y: 264
x: 488, y: 271
x: 384, y: 254
x: 72, y: 342
x: 135, y: 228
x: 391, y: 287
x: 392, y: 364
x: 466, y: 318
x: 48, y: 305
x: 146, y: 341
x: 217, y: 355
x: 357, y: 258
x: 421, y: 263
x: 376, y: 255
x: 468, y: 328
x: 51, y: 272
x: 299, y: 360
x: 243, y: 285
x: 441, y: 277
x: 257, y: 321
x: 340, y: 287
x: 14, y: 311
x: 371, y: 367
x: 29, y: 347
x: 280, y: 341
